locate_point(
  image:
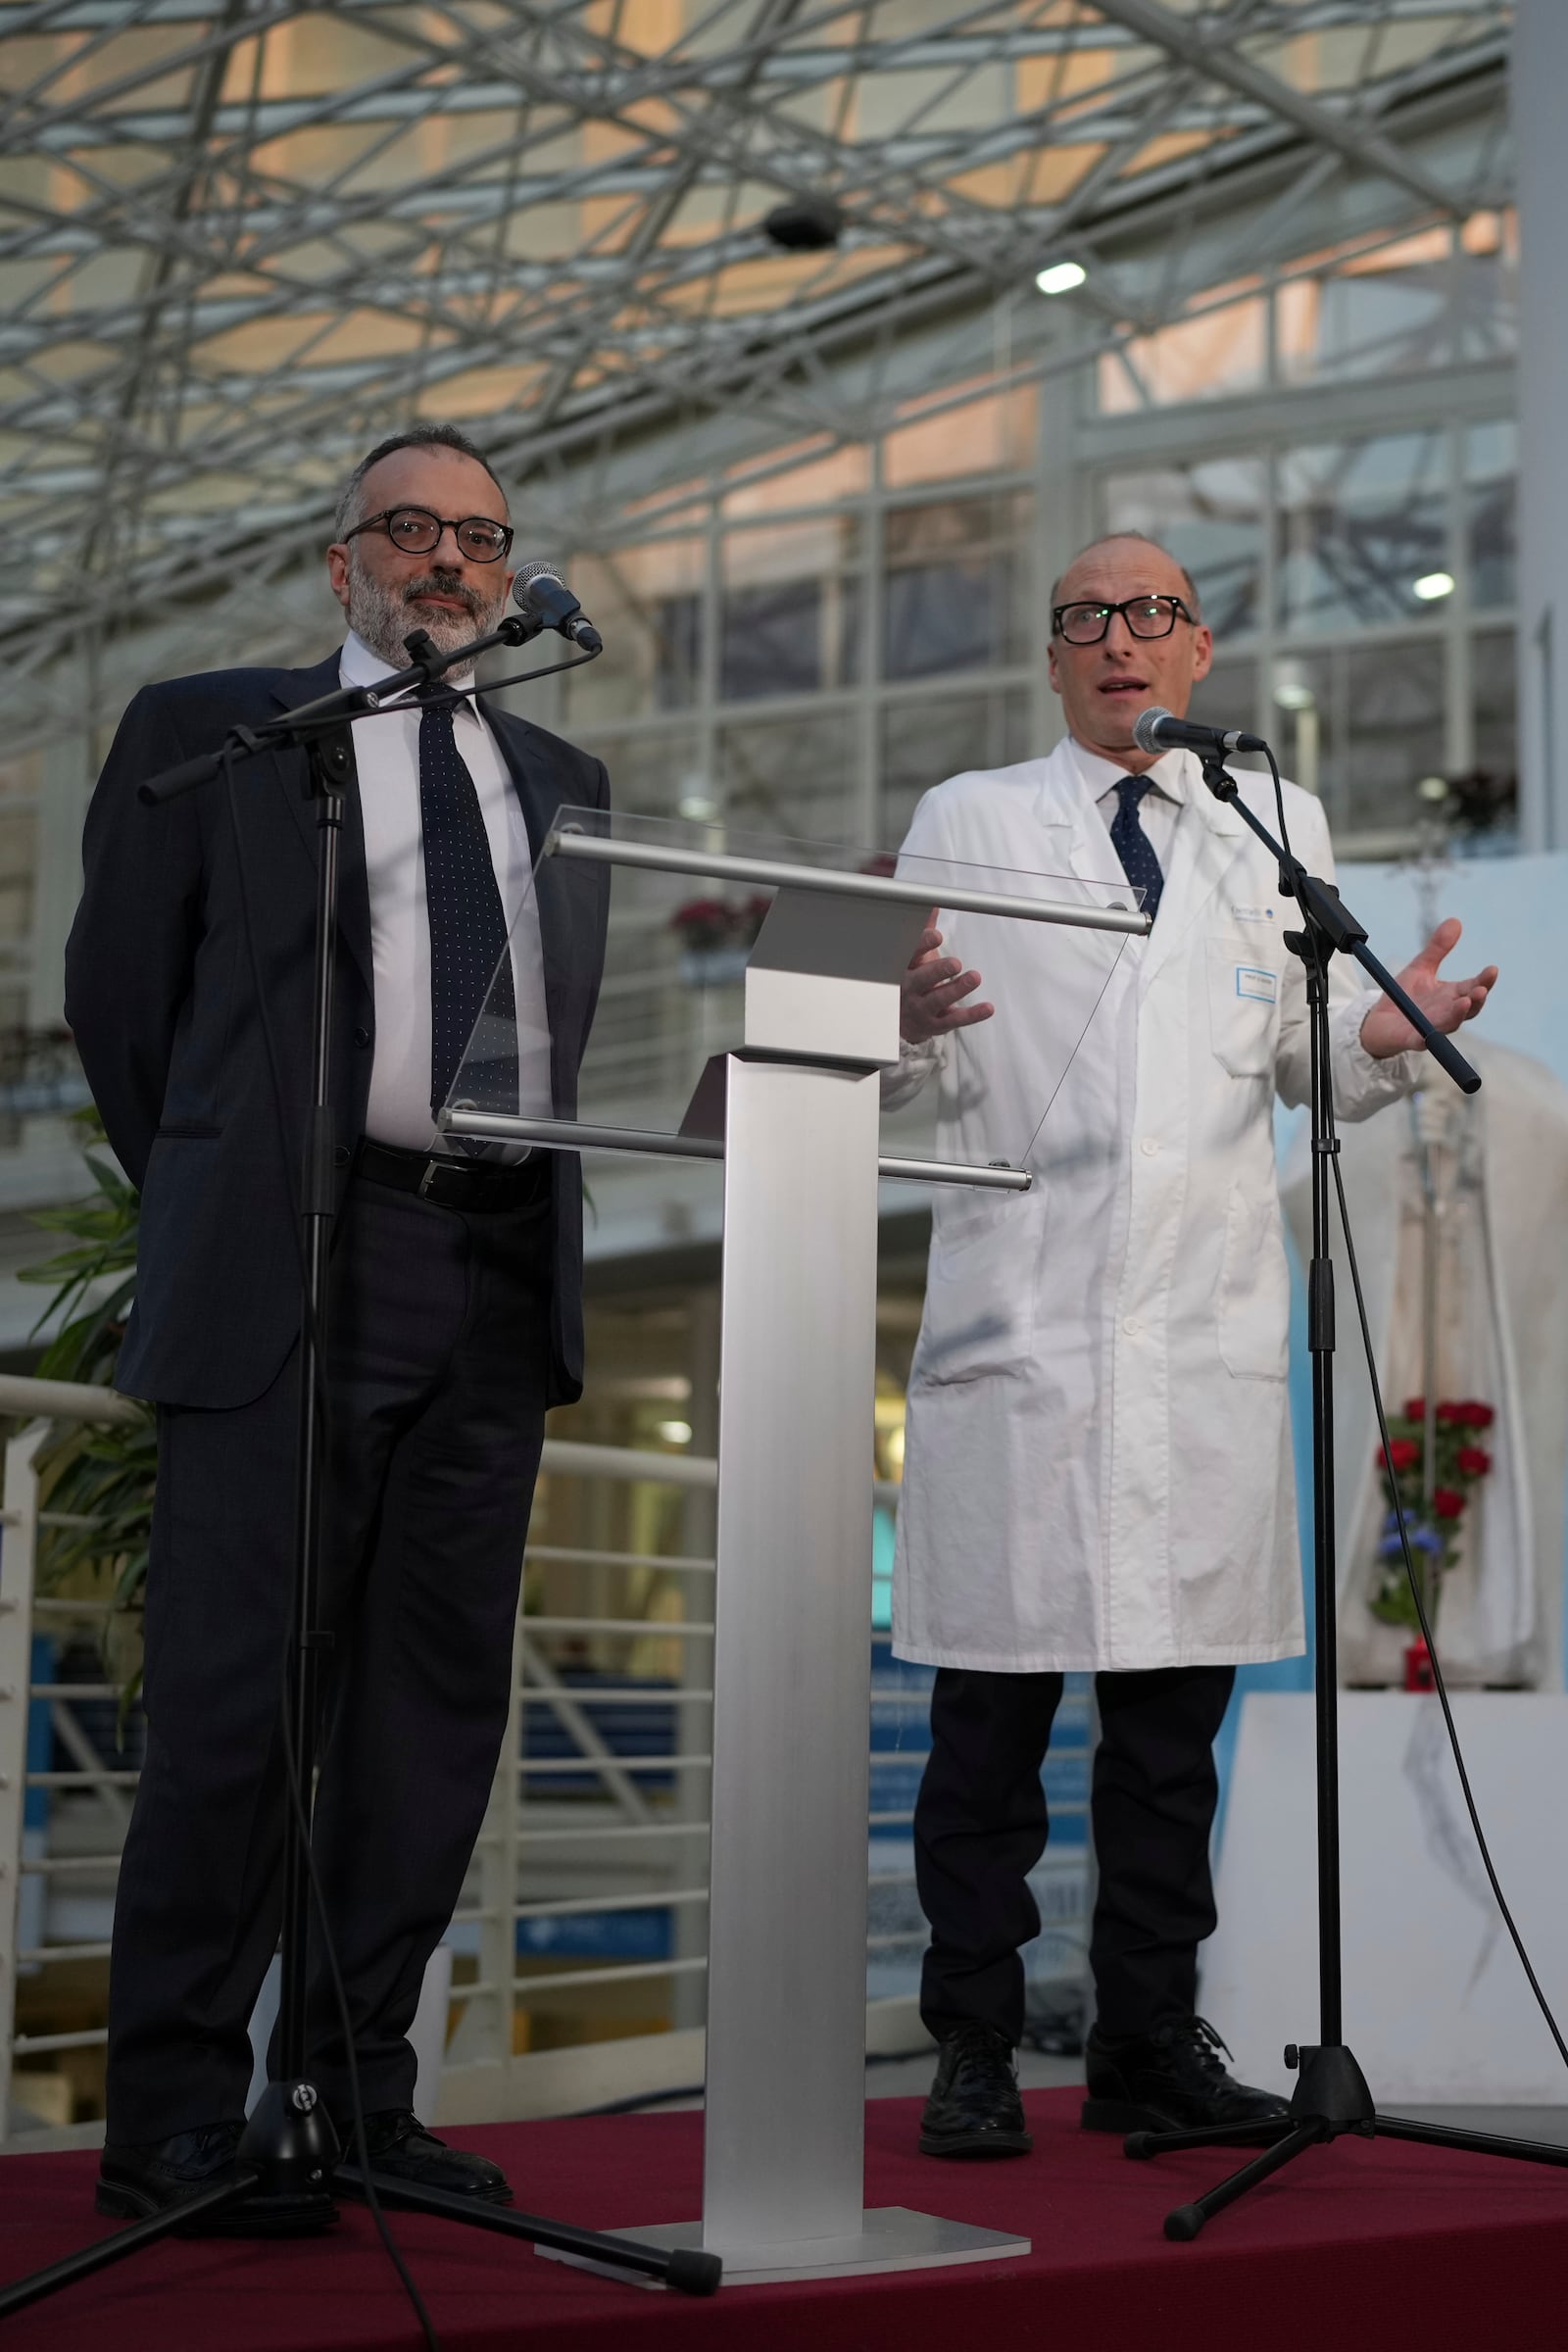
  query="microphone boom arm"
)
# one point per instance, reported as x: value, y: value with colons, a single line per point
x: 327, y: 711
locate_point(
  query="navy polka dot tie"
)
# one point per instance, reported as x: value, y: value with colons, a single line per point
x: 1132, y: 844
x: 467, y: 932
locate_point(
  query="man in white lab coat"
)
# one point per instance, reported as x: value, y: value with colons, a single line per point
x: 1097, y: 1470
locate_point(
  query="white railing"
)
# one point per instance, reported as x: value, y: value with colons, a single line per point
x: 588, y: 1886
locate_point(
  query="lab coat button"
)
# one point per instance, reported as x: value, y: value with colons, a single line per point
x: 1149, y: 1147
x: 1131, y: 1326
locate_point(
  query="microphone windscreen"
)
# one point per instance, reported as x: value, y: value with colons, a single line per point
x: 538, y: 567
x: 1144, y: 726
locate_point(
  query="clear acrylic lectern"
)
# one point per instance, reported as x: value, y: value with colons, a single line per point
x: 749, y: 1013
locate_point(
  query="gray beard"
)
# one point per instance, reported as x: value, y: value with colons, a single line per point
x: 381, y: 617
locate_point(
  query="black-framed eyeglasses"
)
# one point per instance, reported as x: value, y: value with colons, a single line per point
x: 416, y: 531
x: 1145, y: 615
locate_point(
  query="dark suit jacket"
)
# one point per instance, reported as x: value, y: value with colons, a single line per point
x: 159, y: 992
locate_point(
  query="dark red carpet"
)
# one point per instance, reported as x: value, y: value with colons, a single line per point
x: 1352, y: 2247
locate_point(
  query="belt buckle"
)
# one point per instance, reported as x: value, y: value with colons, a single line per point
x: 432, y: 1168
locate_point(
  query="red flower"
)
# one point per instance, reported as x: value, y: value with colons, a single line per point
x: 1467, y: 1413
x: 1448, y: 1502
x: 1403, y: 1451
x: 1473, y: 1461
x: 1415, y: 1408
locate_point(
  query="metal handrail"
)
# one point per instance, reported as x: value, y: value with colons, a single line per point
x: 577, y: 1135
x: 568, y: 841
x: 523, y: 1783
x: 64, y: 1400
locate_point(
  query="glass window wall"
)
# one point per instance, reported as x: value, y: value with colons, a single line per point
x: 1212, y: 516
x: 954, y: 594
x: 1362, y: 525
x: 809, y: 642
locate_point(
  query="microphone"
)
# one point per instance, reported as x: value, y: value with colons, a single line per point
x: 540, y: 590
x: 1159, y: 730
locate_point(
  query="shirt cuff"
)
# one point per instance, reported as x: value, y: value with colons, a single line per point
x: 902, y: 1080
x: 1362, y: 1082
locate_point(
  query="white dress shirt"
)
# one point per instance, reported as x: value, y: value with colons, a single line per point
x: 386, y: 751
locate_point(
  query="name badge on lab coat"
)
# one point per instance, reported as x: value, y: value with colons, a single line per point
x: 1255, y: 980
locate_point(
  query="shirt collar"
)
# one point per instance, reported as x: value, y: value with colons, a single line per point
x: 358, y: 666
x: 1167, y: 776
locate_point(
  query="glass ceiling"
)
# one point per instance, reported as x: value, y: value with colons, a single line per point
x: 241, y: 239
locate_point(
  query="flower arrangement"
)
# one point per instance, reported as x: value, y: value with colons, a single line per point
x: 716, y: 935
x: 1460, y: 1463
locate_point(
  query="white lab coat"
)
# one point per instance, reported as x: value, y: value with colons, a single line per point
x: 1097, y: 1462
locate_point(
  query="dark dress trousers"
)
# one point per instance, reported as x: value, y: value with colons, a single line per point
x: 981, y: 1823
x: 451, y: 1333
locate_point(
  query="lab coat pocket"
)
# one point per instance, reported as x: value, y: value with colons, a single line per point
x: 980, y: 1291
x: 1244, y: 1006
x: 1255, y: 1289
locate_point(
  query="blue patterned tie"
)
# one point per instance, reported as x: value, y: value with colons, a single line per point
x: 467, y: 931
x: 1132, y: 844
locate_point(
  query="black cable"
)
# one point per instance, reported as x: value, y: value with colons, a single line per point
x: 311, y: 1339
x: 1279, y: 808
x: 345, y: 2022
x: 520, y: 677
x: 276, y: 736
x: 1438, y: 1683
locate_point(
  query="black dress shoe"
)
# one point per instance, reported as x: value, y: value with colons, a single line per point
x: 974, y: 2108
x: 136, y: 2180
x: 400, y: 2148
x: 1170, y: 2081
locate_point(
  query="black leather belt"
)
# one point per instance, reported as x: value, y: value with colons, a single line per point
x: 453, y: 1183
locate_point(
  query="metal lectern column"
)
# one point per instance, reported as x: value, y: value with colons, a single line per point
x: 786, y: 1979
x: 785, y: 2133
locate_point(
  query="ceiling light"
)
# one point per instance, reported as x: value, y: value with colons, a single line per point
x: 675, y: 1433
x: 1433, y: 585
x: 1060, y: 278
x: 1293, y: 688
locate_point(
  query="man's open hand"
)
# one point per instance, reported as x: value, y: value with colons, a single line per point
x: 934, y: 990
x: 1446, y: 1004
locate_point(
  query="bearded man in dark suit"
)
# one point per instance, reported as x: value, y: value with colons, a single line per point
x: 456, y: 1314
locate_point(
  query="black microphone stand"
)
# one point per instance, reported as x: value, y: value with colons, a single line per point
x: 290, y: 2146
x: 1332, y: 2095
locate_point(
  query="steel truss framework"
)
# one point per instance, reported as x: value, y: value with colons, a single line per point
x: 240, y: 239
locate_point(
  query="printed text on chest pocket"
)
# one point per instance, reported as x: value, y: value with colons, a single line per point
x: 1244, y: 1010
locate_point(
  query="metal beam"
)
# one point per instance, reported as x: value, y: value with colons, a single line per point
x: 1361, y: 145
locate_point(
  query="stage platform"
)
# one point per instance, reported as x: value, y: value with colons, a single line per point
x: 1354, y: 2248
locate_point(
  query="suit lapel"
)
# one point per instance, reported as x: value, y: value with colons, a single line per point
x: 290, y: 691
x: 1079, y: 838
x: 1208, y: 839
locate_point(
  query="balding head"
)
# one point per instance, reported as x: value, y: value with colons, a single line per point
x: 1069, y: 586
x: 1104, y: 686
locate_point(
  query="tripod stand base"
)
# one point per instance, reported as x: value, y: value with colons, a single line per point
x: 293, y: 2145
x: 1331, y: 2099
x: 890, y: 2238
x: 636, y: 2255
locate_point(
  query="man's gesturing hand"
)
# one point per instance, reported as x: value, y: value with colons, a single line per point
x: 1446, y: 1004
x: 933, y: 992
